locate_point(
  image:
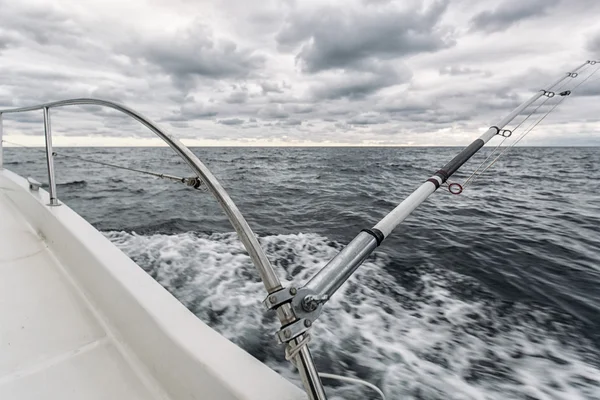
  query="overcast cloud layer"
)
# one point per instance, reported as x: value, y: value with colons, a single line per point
x: 285, y: 72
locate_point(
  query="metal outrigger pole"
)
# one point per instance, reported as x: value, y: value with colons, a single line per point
x: 307, y: 301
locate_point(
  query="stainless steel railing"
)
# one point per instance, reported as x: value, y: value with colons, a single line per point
x: 303, y: 359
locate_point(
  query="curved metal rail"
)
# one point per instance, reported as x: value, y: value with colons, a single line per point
x: 303, y: 360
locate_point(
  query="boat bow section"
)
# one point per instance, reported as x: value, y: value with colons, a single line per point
x: 80, y: 320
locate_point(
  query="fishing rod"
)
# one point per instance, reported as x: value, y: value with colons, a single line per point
x: 307, y: 301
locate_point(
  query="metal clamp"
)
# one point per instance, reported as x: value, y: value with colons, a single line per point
x: 548, y: 93
x: 565, y: 93
x: 592, y: 62
x: 194, y: 182
x: 572, y: 74
x: 282, y: 296
x: 293, y: 330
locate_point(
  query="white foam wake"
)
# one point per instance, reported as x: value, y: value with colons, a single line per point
x: 413, y: 334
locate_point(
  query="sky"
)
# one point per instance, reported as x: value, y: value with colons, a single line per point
x: 297, y: 73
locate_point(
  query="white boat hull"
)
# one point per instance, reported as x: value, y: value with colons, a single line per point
x: 80, y: 320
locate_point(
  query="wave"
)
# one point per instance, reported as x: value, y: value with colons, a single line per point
x: 75, y: 184
x: 429, y: 334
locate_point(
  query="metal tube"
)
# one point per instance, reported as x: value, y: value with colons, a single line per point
x: 340, y: 268
x: 328, y: 280
x: 303, y: 361
x: 309, y: 375
x: 50, y: 158
x: 1, y: 143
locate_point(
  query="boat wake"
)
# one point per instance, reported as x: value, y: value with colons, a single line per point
x: 417, y: 332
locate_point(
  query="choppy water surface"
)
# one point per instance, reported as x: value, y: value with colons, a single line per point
x: 493, y: 294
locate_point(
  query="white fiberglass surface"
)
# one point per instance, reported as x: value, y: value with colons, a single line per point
x: 51, y: 343
x: 80, y: 320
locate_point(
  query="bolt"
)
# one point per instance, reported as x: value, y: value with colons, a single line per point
x: 287, y: 333
x: 293, y: 291
x: 273, y: 299
x: 307, y: 323
x: 309, y: 304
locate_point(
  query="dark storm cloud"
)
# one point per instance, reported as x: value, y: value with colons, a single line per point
x: 195, y: 52
x: 273, y: 111
x: 301, y: 108
x: 341, y: 37
x: 238, y: 97
x: 231, y: 121
x: 509, y: 13
x: 367, y: 119
x: 192, y: 109
x: 44, y: 24
x: 358, y: 84
x: 292, y: 122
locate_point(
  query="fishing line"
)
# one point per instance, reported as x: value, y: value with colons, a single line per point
x: 21, y: 145
x: 466, y: 182
x: 513, y: 130
x: 194, y: 182
x: 563, y: 95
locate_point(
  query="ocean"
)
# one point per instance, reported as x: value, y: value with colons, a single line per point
x: 490, y: 294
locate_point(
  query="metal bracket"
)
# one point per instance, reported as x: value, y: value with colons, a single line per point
x: 505, y: 133
x: 565, y: 93
x: 572, y: 74
x: 307, y: 307
x: 548, y: 94
x: 282, y: 296
x: 293, y: 330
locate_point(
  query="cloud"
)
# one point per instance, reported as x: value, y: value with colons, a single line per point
x: 367, y: 119
x: 302, y: 108
x: 593, y: 45
x: 268, y: 87
x: 344, y: 37
x: 273, y: 111
x: 5, y: 41
x: 292, y: 122
x: 358, y: 84
x: 45, y: 25
x: 231, y: 121
x: 381, y: 70
x: 192, y: 109
x: 510, y: 13
x: 238, y: 97
x: 194, y: 52
x: 455, y: 70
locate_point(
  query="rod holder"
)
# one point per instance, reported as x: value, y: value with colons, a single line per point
x: 50, y: 158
